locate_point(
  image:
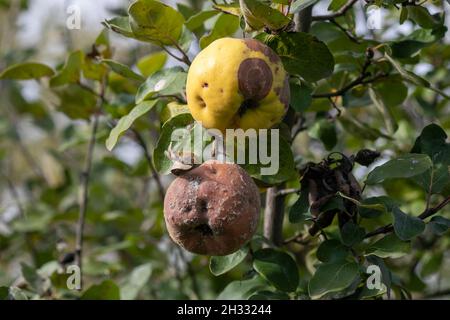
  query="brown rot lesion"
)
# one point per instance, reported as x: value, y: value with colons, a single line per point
x: 284, y: 93
x: 255, y: 82
x: 255, y: 45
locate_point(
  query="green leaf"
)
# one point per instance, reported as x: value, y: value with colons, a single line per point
x: 71, y: 71
x: 196, y: 21
x: 120, y: 25
x: 332, y: 277
x: 165, y: 82
x: 389, y: 246
x: 269, y: 295
x: 335, y: 5
x: 392, y: 91
x: 152, y: 63
x: 185, y: 10
x: 258, y: 15
x: 107, y: 290
x: 407, y: 227
x: 352, y: 234
x: 432, y: 141
x: 162, y: 163
x: 431, y: 263
x: 171, y: 110
x: 153, y: 21
x: 34, y: 222
x: 242, y: 289
x: 300, y: 95
x: 300, y: 209
x: 136, y: 281
x: 127, y: 121
x: 123, y: 70
x: 325, y: 131
x: 36, y: 282
x: 4, y: 293
x: 408, y: 75
x: 220, y: 265
x: 278, y: 268
x: 186, y: 39
x: 27, y: 71
x: 286, y: 166
x: 16, y: 293
x: 375, y: 206
x: 299, y: 5
x: 421, y: 16
x: 302, y: 54
x: 331, y: 250
x: 414, y: 42
x: 385, y: 111
x: 403, y: 14
x: 229, y: 8
x: 439, y: 225
x: 225, y: 26
x: 76, y: 102
x: 405, y: 166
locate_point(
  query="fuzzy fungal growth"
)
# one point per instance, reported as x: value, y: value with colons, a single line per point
x: 212, y: 209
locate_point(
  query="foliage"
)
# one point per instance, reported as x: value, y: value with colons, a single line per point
x: 348, y: 206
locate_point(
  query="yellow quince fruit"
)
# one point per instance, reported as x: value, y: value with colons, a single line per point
x: 237, y: 83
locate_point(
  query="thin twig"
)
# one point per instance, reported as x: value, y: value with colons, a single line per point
x: 140, y: 140
x: 363, y: 78
x: 171, y: 54
x: 84, y: 184
x: 285, y: 192
x: 89, y: 89
x: 84, y: 195
x: 343, y: 10
x: 346, y: 31
x: 274, y: 209
x: 298, y: 238
x: 425, y: 214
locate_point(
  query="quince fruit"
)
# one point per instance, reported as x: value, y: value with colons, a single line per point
x: 237, y: 83
x: 212, y: 209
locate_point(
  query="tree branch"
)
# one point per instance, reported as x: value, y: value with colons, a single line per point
x: 286, y: 192
x: 274, y: 208
x: 346, y: 31
x: 363, y: 78
x: 343, y: 10
x: 424, y: 215
x: 140, y: 140
x: 84, y: 183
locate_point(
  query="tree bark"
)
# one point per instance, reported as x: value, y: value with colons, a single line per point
x: 274, y: 208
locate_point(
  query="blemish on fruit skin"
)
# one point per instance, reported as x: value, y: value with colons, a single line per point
x: 284, y: 93
x: 205, y: 85
x: 255, y: 45
x: 255, y: 79
x: 201, y: 102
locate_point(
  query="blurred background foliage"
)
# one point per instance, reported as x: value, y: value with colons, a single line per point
x: 44, y: 134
